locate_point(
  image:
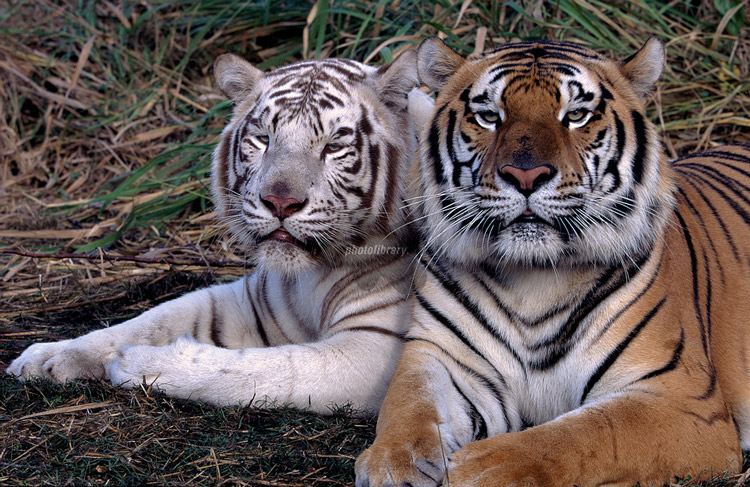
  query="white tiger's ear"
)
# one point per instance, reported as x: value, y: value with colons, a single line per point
x: 396, y: 80
x: 234, y: 76
x: 421, y: 106
x: 644, y: 67
x: 436, y: 62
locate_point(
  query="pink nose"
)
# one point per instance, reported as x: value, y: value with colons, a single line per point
x: 282, y: 207
x: 526, y: 180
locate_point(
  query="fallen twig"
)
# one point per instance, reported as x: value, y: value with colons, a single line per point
x: 128, y: 258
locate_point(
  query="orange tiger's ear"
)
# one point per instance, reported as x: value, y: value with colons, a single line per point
x: 234, y: 76
x: 644, y: 67
x: 436, y: 62
x: 396, y: 80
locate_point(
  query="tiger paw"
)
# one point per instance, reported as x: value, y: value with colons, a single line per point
x: 166, y: 367
x: 487, y: 463
x: 418, y: 462
x: 185, y: 369
x: 60, y: 362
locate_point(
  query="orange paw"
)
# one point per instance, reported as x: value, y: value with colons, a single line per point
x: 485, y: 463
x: 417, y: 461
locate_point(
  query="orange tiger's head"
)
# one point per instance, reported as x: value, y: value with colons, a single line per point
x: 540, y: 154
x: 314, y: 158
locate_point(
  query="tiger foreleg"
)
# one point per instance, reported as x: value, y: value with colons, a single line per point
x: 420, y: 425
x: 621, y: 442
x: 198, y: 314
x: 346, y: 369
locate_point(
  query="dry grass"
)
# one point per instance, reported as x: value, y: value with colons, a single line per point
x: 108, y: 120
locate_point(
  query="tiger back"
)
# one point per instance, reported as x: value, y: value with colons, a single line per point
x: 583, y: 317
x: 311, y: 175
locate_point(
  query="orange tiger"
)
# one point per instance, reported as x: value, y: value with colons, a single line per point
x: 585, y: 301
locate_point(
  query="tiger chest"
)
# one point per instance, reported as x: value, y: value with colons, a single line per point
x: 543, y: 377
x: 289, y: 310
x: 525, y: 358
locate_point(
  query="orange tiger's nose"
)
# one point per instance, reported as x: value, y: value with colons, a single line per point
x: 526, y: 181
x: 282, y: 207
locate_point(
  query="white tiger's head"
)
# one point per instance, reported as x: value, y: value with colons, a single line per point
x: 314, y: 160
x: 540, y: 154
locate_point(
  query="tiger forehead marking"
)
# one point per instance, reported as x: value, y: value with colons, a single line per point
x: 534, y: 158
x: 307, y: 89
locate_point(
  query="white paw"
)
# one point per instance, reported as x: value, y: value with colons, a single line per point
x: 174, y: 369
x: 60, y: 362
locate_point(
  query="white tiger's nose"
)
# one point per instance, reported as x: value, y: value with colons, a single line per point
x: 282, y: 207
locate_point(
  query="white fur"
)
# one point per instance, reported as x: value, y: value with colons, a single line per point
x: 309, y: 331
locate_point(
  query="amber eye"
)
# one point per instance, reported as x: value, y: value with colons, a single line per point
x: 488, y: 119
x: 577, y: 116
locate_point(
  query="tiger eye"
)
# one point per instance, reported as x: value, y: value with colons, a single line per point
x: 489, y: 117
x: 576, y: 115
x: 333, y: 147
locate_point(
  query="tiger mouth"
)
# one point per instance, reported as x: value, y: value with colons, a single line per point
x: 282, y: 235
x: 494, y: 226
x: 529, y: 216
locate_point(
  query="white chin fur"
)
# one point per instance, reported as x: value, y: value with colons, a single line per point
x: 528, y: 245
x: 283, y: 258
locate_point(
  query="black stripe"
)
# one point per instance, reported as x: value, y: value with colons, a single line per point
x: 714, y: 214
x: 375, y: 329
x: 703, y: 173
x: 615, y: 160
x: 215, y: 325
x: 287, y: 293
x: 618, y: 350
x: 554, y: 47
x: 486, y: 275
x: 434, y: 144
x: 606, y: 285
x: 623, y: 207
x: 473, y: 374
x: 443, y: 320
x: 454, y: 289
x: 259, y: 326
x: 639, y: 127
x: 672, y: 364
x: 370, y: 309
x: 726, y: 155
x: 452, y: 150
x: 694, y: 275
x: 258, y: 321
x: 478, y: 424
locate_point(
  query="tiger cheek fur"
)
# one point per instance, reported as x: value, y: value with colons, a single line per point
x: 582, y: 315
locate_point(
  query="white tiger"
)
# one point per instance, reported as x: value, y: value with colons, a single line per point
x: 312, y: 171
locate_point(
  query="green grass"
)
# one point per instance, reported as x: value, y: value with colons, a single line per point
x: 109, y: 118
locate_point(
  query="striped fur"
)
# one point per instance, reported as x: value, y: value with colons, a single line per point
x: 581, y: 318
x: 310, y: 173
